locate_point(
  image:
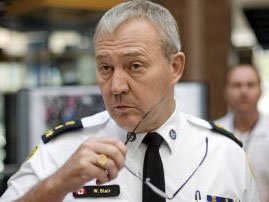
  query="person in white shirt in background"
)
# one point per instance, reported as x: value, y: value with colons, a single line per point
x: 242, y: 93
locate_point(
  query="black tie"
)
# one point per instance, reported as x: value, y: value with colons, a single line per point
x: 153, y: 168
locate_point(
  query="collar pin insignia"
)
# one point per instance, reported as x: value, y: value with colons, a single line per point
x: 173, y: 134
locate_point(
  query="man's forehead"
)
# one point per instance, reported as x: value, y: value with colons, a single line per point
x: 129, y: 42
x: 243, y: 72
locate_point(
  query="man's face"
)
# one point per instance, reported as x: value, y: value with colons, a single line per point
x: 133, y: 74
x: 243, y: 89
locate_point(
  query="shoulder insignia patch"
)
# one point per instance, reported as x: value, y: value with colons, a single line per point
x: 219, y: 129
x: 58, y: 130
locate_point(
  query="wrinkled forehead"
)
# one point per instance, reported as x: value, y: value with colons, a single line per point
x: 136, y: 32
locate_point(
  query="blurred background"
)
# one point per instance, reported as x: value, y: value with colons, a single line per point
x: 47, y: 68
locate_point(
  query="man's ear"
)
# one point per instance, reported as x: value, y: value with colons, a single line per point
x: 177, y: 62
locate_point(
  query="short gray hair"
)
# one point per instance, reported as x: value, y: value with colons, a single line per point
x: 162, y: 19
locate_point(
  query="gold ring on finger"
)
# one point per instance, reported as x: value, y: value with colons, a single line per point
x: 101, y: 161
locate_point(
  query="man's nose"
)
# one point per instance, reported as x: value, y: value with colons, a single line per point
x: 244, y: 89
x: 119, y: 83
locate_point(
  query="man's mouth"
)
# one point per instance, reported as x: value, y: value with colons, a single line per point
x: 123, y: 108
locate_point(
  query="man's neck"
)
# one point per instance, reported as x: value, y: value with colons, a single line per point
x: 244, y: 122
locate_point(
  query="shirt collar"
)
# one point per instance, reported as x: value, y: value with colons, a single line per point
x: 169, y: 131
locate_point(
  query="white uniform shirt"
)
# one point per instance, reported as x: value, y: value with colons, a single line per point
x: 256, y: 145
x: 224, y: 172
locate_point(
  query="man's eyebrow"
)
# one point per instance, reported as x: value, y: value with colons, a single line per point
x: 136, y: 53
x: 100, y: 56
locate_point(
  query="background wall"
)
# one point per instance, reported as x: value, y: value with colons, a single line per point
x: 205, y: 27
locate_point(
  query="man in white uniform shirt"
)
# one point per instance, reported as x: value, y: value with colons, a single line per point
x: 139, y: 61
x: 242, y: 92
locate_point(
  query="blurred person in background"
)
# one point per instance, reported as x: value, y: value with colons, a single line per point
x: 242, y: 93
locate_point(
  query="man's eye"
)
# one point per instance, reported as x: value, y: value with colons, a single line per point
x: 105, y: 68
x: 251, y: 85
x: 136, y: 66
x: 236, y: 85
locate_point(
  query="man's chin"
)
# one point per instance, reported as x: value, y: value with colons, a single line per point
x: 126, y: 127
x: 126, y: 123
x: 245, y: 110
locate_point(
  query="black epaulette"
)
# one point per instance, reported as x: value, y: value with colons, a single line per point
x: 58, y: 130
x: 219, y: 129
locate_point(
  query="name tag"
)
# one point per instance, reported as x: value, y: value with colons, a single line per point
x: 97, y: 191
